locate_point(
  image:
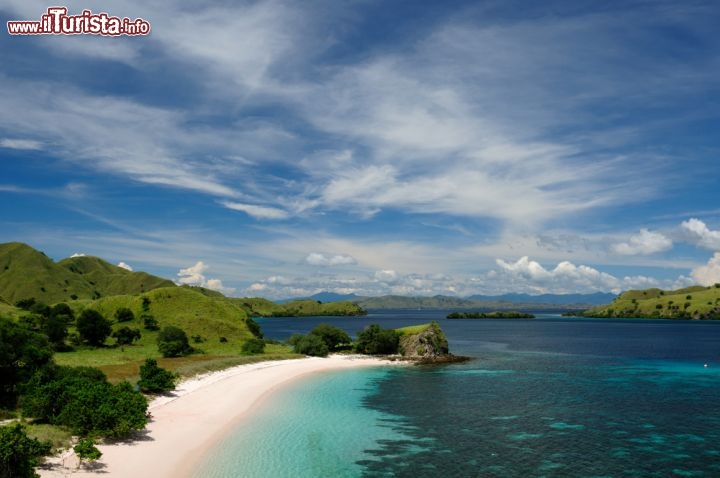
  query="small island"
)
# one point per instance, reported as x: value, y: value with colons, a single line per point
x: 490, y: 315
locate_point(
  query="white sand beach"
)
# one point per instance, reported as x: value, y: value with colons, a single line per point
x: 199, y: 413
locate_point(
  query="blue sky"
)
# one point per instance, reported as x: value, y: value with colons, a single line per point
x: 279, y: 149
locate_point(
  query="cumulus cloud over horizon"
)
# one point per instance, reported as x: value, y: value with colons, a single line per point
x: 708, y: 274
x: 125, y: 266
x: 698, y: 233
x: 194, y: 275
x: 644, y: 243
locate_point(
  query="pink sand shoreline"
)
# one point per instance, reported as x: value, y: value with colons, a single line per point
x: 200, y: 413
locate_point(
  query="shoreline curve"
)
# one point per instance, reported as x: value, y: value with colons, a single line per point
x: 195, y: 417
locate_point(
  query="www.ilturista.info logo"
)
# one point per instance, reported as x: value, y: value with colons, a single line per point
x: 57, y: 22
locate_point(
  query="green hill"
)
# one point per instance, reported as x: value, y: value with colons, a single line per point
x: 195, y: 313
x: 259, y: 307
x: 28, y: 273
x: 108, y: 279
x: 697, y: 302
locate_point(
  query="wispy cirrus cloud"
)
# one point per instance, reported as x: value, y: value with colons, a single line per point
x: 22, y: 144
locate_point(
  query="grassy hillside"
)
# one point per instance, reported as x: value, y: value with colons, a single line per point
x: 695, y: 302
x: 28, y: 273
x: 108, y: 279
x: 214, y: 325
x: 259, y: 307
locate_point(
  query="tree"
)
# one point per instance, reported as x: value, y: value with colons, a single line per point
x: 63, y: 309
x: 335, y: 338
x: 123, y: 314
x: 155, y: 379
x: 310, y: 345
x: 126, y: 336
x: 86, y: 450
x: 377, y: 341
x: 81, y: 399
x: 149, y: 322
x: 22, y: 353
x: 56, y: 330
x: 20, y: 454
x: 253, y: 346
x: 93, y: 327
x: 173, y: 342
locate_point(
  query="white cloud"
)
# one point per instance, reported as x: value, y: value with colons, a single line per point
x: 194, y: 275
x: 125, y: 266
x: 78, y: 254
x: 708, y: 274
x: 318, y: 259
x: 566, y: 277
x: 26, y: 144
x: 388, y: 276
x: 260, y: 212
x: 697, y: 232
x: 644, y: 243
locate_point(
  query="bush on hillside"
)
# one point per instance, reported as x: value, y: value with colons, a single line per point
x: 126, y: 336
x: 149, y: 322
x: 123, y: 314
x: 254, y: 328
x: 173, y: 342
x: 253, y: 346
x: 93, y: 327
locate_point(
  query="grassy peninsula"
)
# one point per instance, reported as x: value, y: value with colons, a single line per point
x: 696, y: 303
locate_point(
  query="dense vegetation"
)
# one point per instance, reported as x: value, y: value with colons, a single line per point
x: 490, y: 315
x: 19, y: 453
x: 699, y: 303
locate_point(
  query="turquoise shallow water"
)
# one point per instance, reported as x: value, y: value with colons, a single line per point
x: 543, y: 398
x: 315, y: 427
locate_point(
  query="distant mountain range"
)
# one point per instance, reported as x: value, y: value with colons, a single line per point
x: 504, y: 301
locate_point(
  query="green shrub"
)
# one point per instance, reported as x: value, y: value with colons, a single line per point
x: 20, y: 454
x: 254, y: 328
x: 155, y: 379
x: 310, y: 345
x: 86, y: 450
x: 93, y: 327
x: 81, y: 399
x: 377, y: 341
x: 149, y: 322
x: 22, y: 353
x: 253, y: 346
x: 173, y: 342
x: 126, y: 336
x: 123, y: 314
x: 335, y: 338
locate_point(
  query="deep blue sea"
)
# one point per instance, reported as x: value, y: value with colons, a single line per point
x: 549, y: 397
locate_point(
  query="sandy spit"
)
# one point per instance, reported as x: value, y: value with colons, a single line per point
x: 197, y: 415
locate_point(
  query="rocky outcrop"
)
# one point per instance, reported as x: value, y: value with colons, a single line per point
x: 429, y: 343
x: 426, y: 344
